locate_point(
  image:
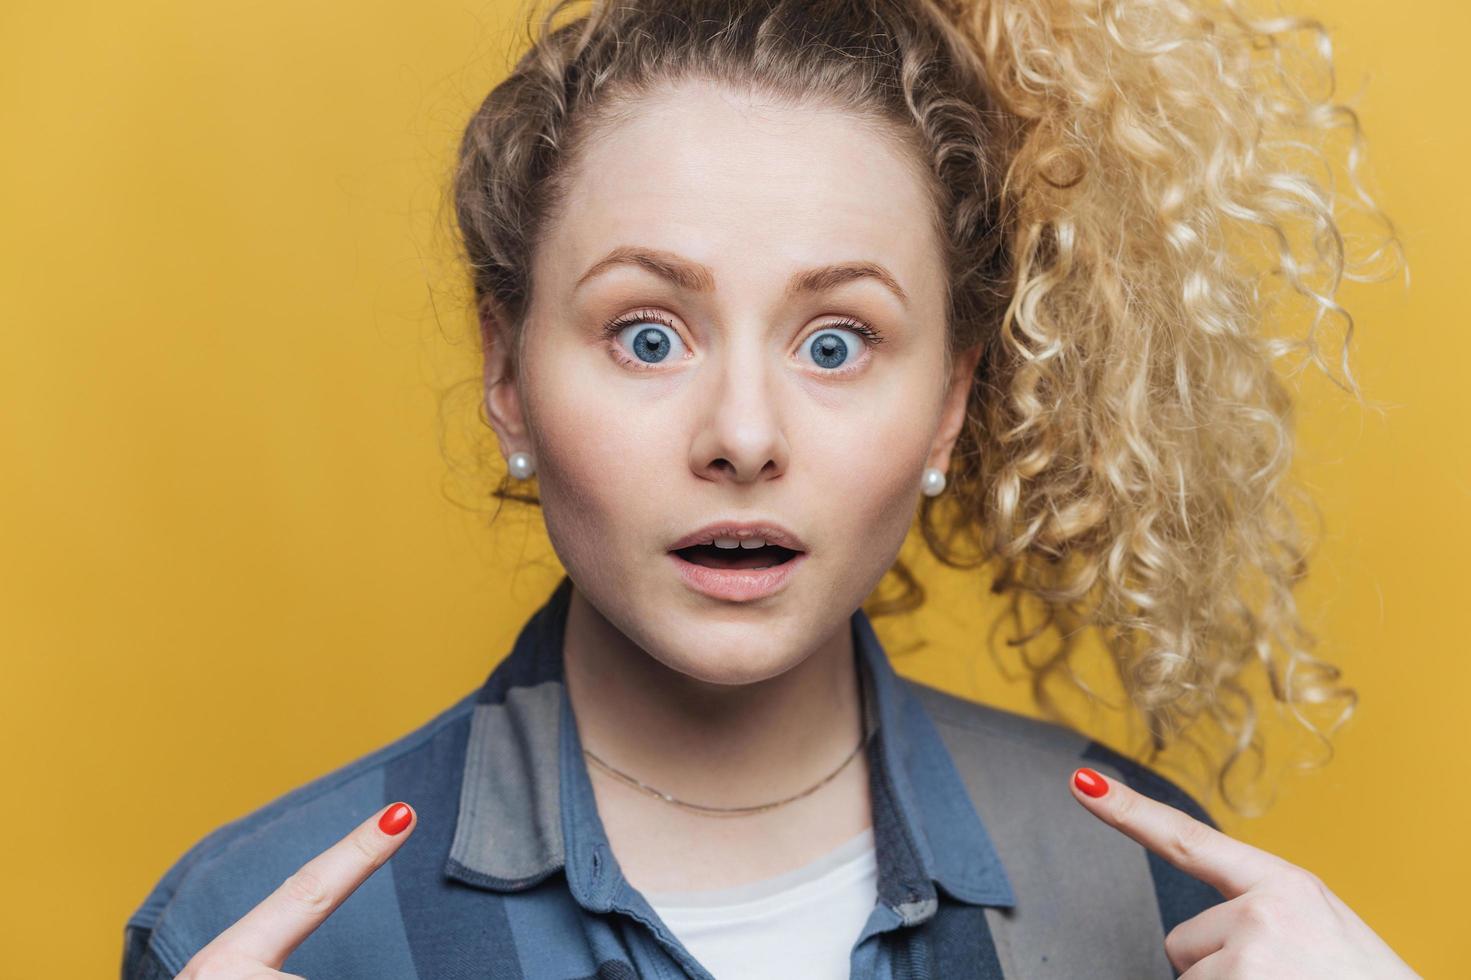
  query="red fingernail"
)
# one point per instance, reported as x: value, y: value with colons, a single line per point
x: 1090, y: 782
x: 395, y: 819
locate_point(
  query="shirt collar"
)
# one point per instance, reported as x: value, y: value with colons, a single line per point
x: 527, y: 807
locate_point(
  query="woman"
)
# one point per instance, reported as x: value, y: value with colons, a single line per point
x: 755, y: 280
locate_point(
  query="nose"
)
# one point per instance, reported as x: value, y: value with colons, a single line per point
x: 739, y: 435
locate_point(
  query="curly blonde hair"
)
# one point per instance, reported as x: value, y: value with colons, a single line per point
x: 1137, y: 198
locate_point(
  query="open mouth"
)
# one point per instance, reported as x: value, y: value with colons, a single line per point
x: 710, y: 556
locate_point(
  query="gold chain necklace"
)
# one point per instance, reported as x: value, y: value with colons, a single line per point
x: 729, y: 811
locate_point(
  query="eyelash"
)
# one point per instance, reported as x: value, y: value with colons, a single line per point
x: 618, y: 324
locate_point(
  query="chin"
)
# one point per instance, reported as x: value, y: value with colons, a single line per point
x: 731, y: 674
x: 732, y: 663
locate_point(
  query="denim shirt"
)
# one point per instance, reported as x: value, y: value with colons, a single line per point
x: 509, y: 873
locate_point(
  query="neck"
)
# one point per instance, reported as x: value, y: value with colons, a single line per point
x: 707, y: 743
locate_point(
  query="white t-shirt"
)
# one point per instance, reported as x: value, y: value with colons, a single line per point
x: 801, y: 923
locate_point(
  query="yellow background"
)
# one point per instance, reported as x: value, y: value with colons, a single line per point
x: 230, y: 563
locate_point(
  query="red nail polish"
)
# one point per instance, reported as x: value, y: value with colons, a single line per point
x: 1090, y: 782
x: 395, y: 819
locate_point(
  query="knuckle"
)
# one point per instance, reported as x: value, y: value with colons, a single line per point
x: 1306, y: 881
x: 366, y: 847
x: 1310, y: 889
x: 1261, y: 912
x: 1189, y: 839
x: 1124, y: 810
x: 1172, y: 945
x: 308, y: 892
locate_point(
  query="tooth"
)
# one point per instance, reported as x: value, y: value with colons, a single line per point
x: 727, y: 542
x: 753, y: 543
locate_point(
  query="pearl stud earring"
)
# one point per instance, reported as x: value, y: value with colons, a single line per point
x: 521, y: 466
x: 933, y: 483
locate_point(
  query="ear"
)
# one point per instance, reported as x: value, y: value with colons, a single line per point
x: 952, y: 413
x: 502, y: 393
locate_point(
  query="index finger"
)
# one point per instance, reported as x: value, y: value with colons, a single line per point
x: 1196, y: 848
x: 271, y: 931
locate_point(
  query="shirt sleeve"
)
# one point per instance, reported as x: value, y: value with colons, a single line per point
x: 140, y: 962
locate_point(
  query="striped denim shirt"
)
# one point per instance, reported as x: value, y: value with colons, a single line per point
x: 986, y: 865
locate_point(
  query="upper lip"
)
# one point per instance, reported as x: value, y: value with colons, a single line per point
x: 768, y: 531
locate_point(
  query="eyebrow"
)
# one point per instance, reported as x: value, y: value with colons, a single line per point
x: 698, y: 278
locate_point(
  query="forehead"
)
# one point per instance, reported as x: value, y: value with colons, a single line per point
x: 721, y: 177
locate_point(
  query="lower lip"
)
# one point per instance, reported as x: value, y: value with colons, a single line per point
x: 737, y: 584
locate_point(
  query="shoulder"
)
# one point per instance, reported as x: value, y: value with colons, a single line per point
x: 228, y: 871
x: 965, y: 721
x: 1025, y: 761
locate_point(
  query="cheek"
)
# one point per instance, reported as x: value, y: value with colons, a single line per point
x: 601, y: 462
x: 860, y: 464
x: 884, y: 459
x: 875, y: 439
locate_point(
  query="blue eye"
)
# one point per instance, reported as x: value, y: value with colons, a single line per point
x: 650, y: 339
x: 831, y: 349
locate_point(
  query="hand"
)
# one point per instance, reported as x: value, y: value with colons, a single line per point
x: 1279, y: 920
x: 255, y: 946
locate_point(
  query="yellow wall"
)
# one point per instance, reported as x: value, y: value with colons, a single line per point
x: 228, y: 564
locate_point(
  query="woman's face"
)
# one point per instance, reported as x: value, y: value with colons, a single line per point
x: 722, y: 392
